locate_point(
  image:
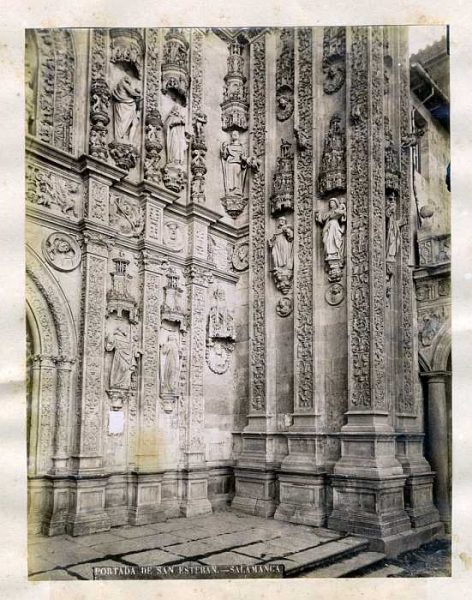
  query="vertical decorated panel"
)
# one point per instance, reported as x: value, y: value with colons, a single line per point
x: 366, y: 255
x: 304, y: 226
x: 257, y: 219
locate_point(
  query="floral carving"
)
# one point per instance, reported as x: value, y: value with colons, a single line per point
x: 303, y: 286
x: 153, y: 141
x: 99, y: 97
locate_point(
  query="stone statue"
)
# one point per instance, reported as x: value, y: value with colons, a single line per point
x: 124, y: 361
x: 235, y: 162
x: 392, y: 243
x: 125, y: 110
x: 176, y: 137
x: 334, y: 228
x: 170, y: 365
x: 281, y: 245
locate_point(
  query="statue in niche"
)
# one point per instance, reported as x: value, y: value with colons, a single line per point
x: 234, y: 158
x: 170, y: 365
x: 126, y: 104
x: 281, y: 245
x: 334, y: 228
x: 392, y: 243
x: 176, y: 137
x: 124, y: 363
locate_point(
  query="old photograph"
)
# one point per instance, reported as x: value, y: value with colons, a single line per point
x: 238, y: 339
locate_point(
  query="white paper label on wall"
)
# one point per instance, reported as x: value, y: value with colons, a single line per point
x: 116, y: 421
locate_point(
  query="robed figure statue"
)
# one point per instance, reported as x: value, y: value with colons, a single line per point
x: 126, y: 100
x: 334, y: 227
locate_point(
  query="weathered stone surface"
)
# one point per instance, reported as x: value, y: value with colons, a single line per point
x: 152, y: 557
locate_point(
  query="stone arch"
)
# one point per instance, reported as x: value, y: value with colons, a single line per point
x: 54, y: 343
x: 442, y: 351
x: 50, y: 86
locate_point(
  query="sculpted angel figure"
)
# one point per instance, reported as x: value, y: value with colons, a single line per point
x: 334, y: 227
x: 126, y: 99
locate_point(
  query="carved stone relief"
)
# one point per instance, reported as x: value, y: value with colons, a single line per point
x: 169, y: 368
x: 392, y: 166
x: 173, y: 235
x: 282, y: 198
x: 332, y: 178
x: 172, y: 309
x: 234, y: 108
x: 434, y: 249
x: 240, y: 256
x: 335, y: 294
x: 62, y: 251
x: 220, y: 333
x: 175, y: 66
x: 334, y: 57
x: 197, y: 165
x: 54, y: 119
x: 334, y: 229
x: 127, y: 215
x: 392, y: 239
x: 51, y: 191
x: 285, y: 77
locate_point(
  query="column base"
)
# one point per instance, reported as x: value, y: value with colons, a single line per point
x: 146, y: 504
x: 255, y: 491
x: 396, y: 544
x: 89, y: 514
x: 195, y: 493
x: 302, y: 499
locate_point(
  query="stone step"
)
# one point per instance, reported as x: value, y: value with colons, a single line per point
x: 348, y: 567
x: 324, y: 555
x: 387, y: 571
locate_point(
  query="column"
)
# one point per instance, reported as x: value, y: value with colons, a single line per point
x: 368, y: 481
x: 438, y: 430
x: 255, y: 478
x: 301, y: 480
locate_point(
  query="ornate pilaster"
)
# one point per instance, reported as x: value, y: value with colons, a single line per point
x: 195, y: 476
x: 62, y: 432
x: 89, y: 499
x: 153, y: 138
x: 368, y: 480
x: 100, y: 96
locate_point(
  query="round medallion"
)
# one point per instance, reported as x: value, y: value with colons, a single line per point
x: 284, y: 306
x: 218, y: 356
x: 240, y: 258
x: 334, y: 294
x: 62, y: 251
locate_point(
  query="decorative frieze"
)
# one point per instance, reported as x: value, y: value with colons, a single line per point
x: 434, y: 250
x: 282, y: 198
x: 334, y: 59
x: 99, y: 96
x: 220, y: 333
x: 175, y: 65
x: 284, y: 76
x: 332, y: 177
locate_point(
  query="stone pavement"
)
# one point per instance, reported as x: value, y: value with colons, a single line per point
x: 224, y: 538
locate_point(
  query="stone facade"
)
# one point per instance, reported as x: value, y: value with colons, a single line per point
x: 221, y: 309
